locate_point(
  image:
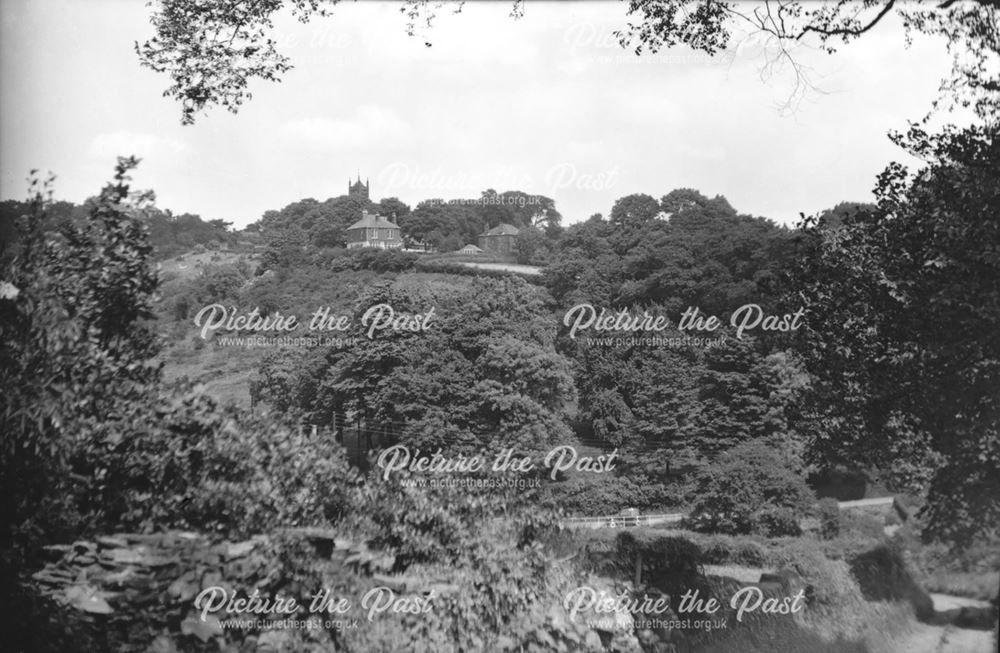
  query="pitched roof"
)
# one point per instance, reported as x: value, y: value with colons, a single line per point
x: 471, y: 248
x: 372, y: 220
x: 503, y: 229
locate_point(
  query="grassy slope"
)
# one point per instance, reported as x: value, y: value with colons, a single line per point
x: 227, y: 371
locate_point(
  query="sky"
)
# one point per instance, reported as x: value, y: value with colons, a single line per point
x: 547, y: 104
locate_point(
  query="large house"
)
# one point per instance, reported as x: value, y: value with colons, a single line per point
x: 373, y: 230
x: 500, y: 239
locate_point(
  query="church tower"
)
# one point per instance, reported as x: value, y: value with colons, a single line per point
x: 359, y: 189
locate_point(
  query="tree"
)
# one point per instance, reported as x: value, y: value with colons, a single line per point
x: 463, y: 220
x: 907, y: 381
x: 393, y: 209
x: 212, y: 52
x: 703, y: 253
x: 972, y: 30
x: 485, y: 373
x: 634, y: 210
x: 76, y: 353
x: 530, y: 246
x: 750, y: 489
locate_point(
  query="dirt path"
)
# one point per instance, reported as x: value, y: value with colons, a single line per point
x: 947, y: 639
x: 927, y: 638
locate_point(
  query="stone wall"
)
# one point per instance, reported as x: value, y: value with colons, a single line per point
x: 134, y: 592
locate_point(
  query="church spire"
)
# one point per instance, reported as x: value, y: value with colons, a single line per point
x: 358, y: 188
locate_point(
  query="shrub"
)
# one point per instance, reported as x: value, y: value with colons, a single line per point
x: 726, y: 550
x: 737, y: 491
x: 603, y: 495
x: 829, y: 518
x: 775, y: 521
x: 378, y: 260
x: 883, y: 575
x: 670, y: 563
x: 749, y: 553
x: 74, y: 347
x: 176, y: 460
x: 182, y: 307
x: 217, y: 283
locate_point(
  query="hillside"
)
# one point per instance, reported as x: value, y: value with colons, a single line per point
x: 226, y: 370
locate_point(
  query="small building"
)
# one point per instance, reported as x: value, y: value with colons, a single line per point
x: 470, y: 249
x: 374, y: 230
x: 499, y: 239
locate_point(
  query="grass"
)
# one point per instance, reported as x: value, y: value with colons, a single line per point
x: 226, y: 371
x: 737, y: 572
x: 972, y: 585
x: 188, y: 266
x: 971, y: 572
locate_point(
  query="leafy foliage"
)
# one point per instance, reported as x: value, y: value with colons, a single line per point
x: 211, y: 50
x: 829, y: 518
x: 75, y: 351
x: 908, y: 380
x: 212, y: 53
x: 199, y: 467
x: 686, y: 250
x: 484, y: 373
x: 970, y: 28
x: 168, y: 234
x: 96, y: 440
x: 750, y: 489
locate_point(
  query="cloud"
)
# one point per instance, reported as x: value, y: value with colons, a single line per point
x: 371, y: 126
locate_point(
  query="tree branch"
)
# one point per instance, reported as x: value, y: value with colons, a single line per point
x: 848, y: 31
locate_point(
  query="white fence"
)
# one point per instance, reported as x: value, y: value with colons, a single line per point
x: 632, y: 521
x: 622, y: 521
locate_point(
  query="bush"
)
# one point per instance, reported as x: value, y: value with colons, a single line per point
x: 883, y: 575
x: 778, y: 522
x: 74, y: 352
x: 378, y: 260
x: 741, y: 492
x: 182, y: 307
x: 670, y: 563
x: 726, y: 550
x: 217, y: 283
x: 606, y: 495
x: 829, y: 518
